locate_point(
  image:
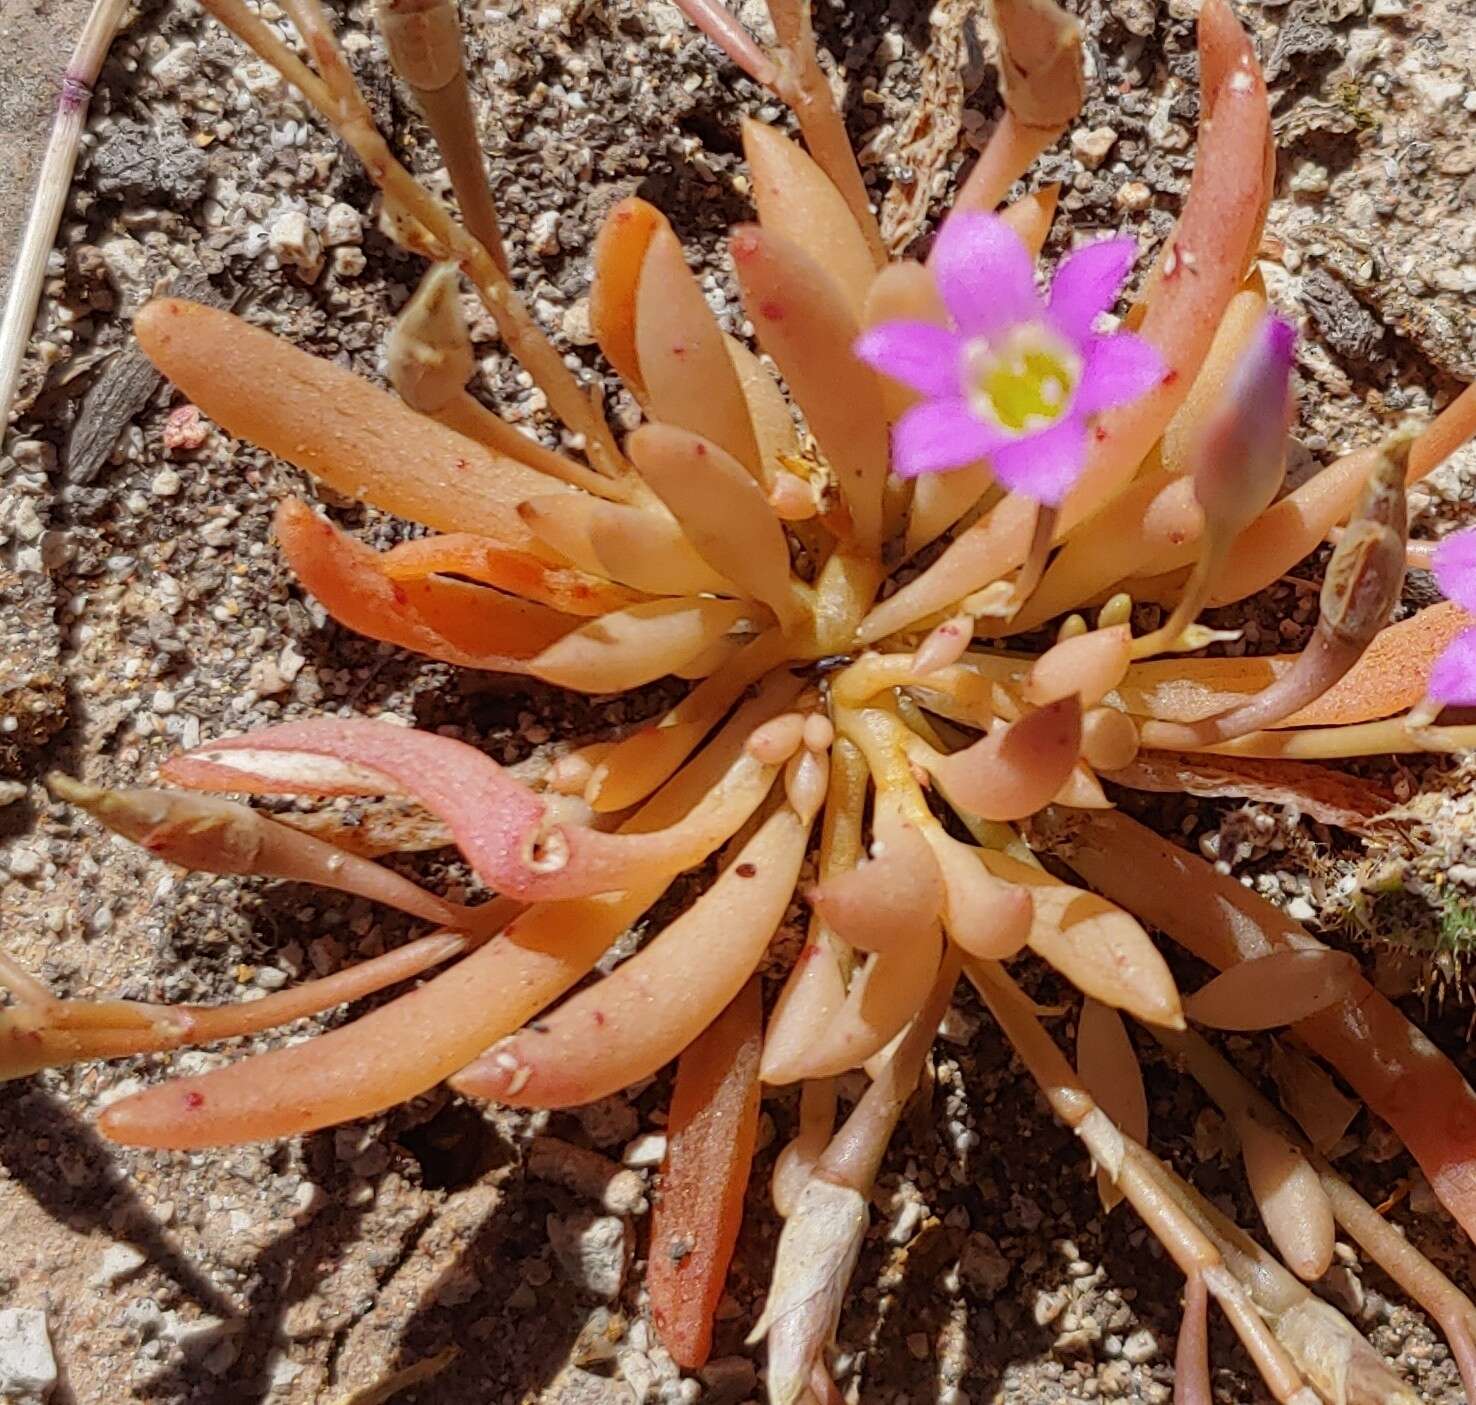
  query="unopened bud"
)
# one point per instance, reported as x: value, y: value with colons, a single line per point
x: 1239, y: 458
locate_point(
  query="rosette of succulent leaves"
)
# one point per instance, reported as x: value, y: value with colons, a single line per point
x: 895, y: 682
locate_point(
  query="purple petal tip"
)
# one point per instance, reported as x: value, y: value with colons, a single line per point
x: 1281, y: 338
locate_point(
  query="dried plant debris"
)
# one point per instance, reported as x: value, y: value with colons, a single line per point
x: 1418, y: 889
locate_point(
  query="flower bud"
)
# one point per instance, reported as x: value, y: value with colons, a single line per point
x: 1239, y: 457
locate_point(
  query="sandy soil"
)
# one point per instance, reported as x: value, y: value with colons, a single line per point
x: 145, y: 609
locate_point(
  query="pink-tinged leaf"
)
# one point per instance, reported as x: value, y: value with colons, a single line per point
x: 504, y: 830
x: 985, y: 552
x: 1402, y: 1076
x: 619, y: 254
x: 636, y: 645
x: 879, y: 903
x: 1200, y: 273
x: 411, y: 1044
x: 641, y: 547
x: 805, y: 322
x: 1108, y: 1065
x: 711, y: 1135
x: 984, y: 916
x: 1099, y: 948
x: 1294, y: 1207
x: 1310, y: 1093
x: 1279, y: 988
x: 799, y: 202
x: 1018, y: 767
x: 883, y: 996
x: 1088, y: 666
x: 1191, y: 1355
x: 625, y: 1027
x: 722, y: 511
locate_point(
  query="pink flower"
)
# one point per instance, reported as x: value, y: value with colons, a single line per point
x: 1453, y: 679
x: 1017, y: 380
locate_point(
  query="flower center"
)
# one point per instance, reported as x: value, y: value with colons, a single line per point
x: 1024, y: 383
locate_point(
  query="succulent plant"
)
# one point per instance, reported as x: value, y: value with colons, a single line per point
x: 850, y: 544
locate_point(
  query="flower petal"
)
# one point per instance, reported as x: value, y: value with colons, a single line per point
x: 1455, y: 568
x: 1118, y: 369
x: 918, y: 354
x: 985, y: 274
x: 1087, y: 283
x: 1453, y: 679
x: 937, y: 435
x: 1043, y: 466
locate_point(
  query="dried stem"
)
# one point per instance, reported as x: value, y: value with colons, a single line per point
x: 1151, y: 1187
x: 793, y: 74
x: 423, y: 224
x: 424, y: 42
x: 430, y: 358
x: 45, y: 1031
x: 1389, y: 1248
x: 50, y: 198
x: 1044, y: 85
x: 801, y: 82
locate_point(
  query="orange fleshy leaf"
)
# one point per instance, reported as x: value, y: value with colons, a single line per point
x: 711, y: 1138
x: 563, y: 588
x: 619, y: 253
x: 433, y: 616
x: 360, y: 440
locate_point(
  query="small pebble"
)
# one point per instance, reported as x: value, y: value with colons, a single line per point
x: 1133, y: 196
x: 296, y: 246
x: 27, y: 1365
x: 1091, y: 145
x: 645, y: 1151
x: 1140, y: 1347
x: 118, y: 1262
x: 342, y: 225
x: 593, y: 1251
x: 729, y: 1377
x: 23, y: 862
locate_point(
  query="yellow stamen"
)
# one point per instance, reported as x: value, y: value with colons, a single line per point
x: 1024, y: 384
